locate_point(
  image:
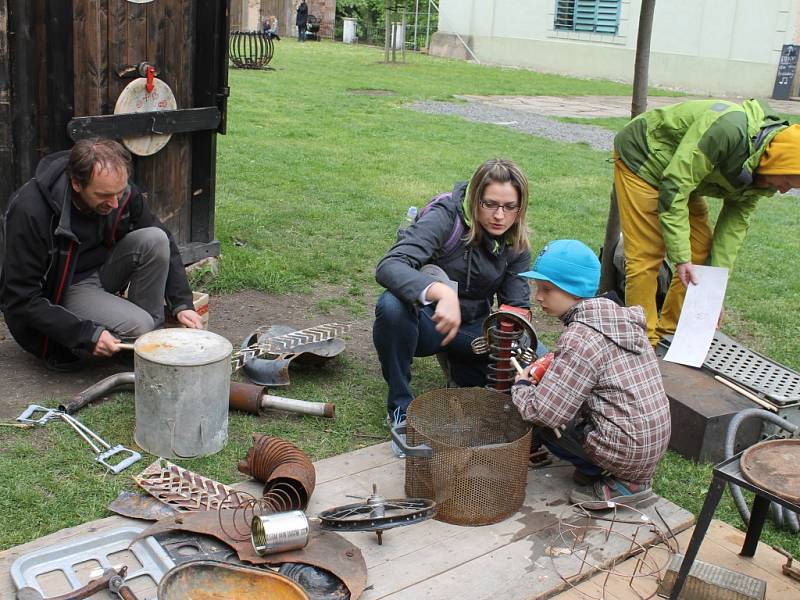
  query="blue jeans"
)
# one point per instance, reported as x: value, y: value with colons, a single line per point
x: 568, y: 447
x: 402, y: 331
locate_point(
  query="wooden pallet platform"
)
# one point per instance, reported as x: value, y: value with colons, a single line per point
x: 433, y: 560
x: 720, y: 547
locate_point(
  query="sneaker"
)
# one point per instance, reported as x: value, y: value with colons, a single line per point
x: 395, y: 418
x: 608, y: 492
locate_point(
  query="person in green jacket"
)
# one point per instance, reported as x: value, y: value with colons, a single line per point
x: 665, y: 161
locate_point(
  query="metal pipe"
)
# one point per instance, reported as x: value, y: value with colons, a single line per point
x: 428, y: 30
x: 416, y: 22
x: 317, y: 409
x: 286, y: 470
x: 96, y: 391
x: 252, y: 398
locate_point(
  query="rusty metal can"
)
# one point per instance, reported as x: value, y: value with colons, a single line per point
x: 279, y: 532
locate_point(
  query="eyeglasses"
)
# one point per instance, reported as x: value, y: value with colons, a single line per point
x: 493, y: 206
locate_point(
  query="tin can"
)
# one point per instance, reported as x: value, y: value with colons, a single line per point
x: 279, y: 532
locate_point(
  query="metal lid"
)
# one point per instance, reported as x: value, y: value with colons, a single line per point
x: 183, y: 347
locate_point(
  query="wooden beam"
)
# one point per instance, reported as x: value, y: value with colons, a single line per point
x: 22, y: 50
x: 210, y: 89
x: 6, y: 135
x: 133, y: 124
x: 60, y: 74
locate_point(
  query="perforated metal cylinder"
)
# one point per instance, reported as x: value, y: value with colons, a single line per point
x: 480, y: 445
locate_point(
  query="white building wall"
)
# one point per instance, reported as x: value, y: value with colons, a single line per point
x: 719, y: 47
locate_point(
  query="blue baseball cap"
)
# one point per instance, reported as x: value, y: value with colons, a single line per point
x: 570, y: 265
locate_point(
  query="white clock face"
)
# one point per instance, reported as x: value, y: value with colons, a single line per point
x: 140, y: 1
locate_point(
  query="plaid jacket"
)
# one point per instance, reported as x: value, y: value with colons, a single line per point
x: 605, y: 374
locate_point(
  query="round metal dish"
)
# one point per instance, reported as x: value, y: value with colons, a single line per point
x: 772, y: 465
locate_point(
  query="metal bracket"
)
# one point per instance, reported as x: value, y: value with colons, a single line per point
x: 27, y: 415
x: 133, y: 456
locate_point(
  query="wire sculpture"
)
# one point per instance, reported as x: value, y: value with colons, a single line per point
x: 570, y: 541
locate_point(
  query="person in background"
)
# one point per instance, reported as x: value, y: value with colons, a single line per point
x: 601, y: 403
x: 76, y: 235
x: 302, y: 20
x: 665, y: 161
x: 271, y: 27
x: 437, y: 297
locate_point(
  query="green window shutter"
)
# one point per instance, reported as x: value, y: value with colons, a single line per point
x: 585, y: 15
x: 565, y: 15
x: 601, y: 16
x: 607, y: 16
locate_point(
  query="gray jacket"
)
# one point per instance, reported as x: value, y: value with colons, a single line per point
x: 479, y: 271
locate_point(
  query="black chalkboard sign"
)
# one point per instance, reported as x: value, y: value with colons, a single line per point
x: 785, y: 75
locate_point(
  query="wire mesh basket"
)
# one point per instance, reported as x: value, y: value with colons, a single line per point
x: 479, y: 447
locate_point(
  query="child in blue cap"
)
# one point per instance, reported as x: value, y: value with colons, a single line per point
x: 603, y: 390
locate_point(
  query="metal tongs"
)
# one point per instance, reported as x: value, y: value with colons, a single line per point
x: 101, y: 455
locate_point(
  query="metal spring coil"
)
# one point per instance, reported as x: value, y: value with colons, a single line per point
x: 500, y: 349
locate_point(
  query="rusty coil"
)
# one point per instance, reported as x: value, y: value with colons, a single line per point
x: 286, y: 471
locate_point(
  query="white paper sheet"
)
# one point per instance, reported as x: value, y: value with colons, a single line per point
x: 699, y: 317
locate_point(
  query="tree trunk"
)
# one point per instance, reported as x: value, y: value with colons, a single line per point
x: 608, y: 277
x: 642, y: 65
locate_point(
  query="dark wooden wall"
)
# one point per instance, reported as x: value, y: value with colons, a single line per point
x: 67, y: 59
x: 6, y: 144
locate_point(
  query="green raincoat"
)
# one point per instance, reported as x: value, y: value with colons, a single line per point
x: 701, y: 148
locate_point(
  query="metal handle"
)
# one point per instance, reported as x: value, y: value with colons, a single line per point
x: 399, y: 436
x: 121, y: 465
x: 81, y: 427
x: 72, y: 423
x: 26, y: 416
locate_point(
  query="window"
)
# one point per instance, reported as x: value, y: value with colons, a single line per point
x: 599, y: 16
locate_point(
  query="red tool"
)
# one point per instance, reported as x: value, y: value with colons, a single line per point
x: 540, y: 366
x: 151, y: 73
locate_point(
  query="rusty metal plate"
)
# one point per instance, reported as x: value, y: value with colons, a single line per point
x: 136, y: 506
x: 185, y: 490
x: 772, y: 465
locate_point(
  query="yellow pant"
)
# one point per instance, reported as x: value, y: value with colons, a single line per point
x: 644, y: 248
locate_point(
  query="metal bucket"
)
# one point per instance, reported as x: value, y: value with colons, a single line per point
x: 468, y: 450
x: 182, y: 386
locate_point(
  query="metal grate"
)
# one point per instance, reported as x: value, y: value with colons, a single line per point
x: 752, y: 370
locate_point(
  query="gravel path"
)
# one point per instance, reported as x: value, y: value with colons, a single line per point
x: 551, y: 129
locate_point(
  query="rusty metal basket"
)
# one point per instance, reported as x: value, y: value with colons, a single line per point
x: 467, y: 449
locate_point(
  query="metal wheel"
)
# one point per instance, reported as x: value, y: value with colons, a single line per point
x: 378, y: 514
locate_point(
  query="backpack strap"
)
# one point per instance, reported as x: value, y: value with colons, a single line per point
x: 451, y: 244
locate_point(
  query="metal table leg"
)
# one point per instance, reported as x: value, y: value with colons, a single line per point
x: 700, y: 528
x: 757, y: 518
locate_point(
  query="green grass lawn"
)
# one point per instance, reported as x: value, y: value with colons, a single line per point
x: 315, y: 174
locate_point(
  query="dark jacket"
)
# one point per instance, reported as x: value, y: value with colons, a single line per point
x: 40, y: 251
x: 302, y: 15
x: 479, y: 271
x: 605, y: 375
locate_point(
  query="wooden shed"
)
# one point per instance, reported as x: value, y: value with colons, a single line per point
x: 248, y: 15
x: 64, y: 63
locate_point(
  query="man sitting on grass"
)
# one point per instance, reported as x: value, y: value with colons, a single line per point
x: 601, y: 404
